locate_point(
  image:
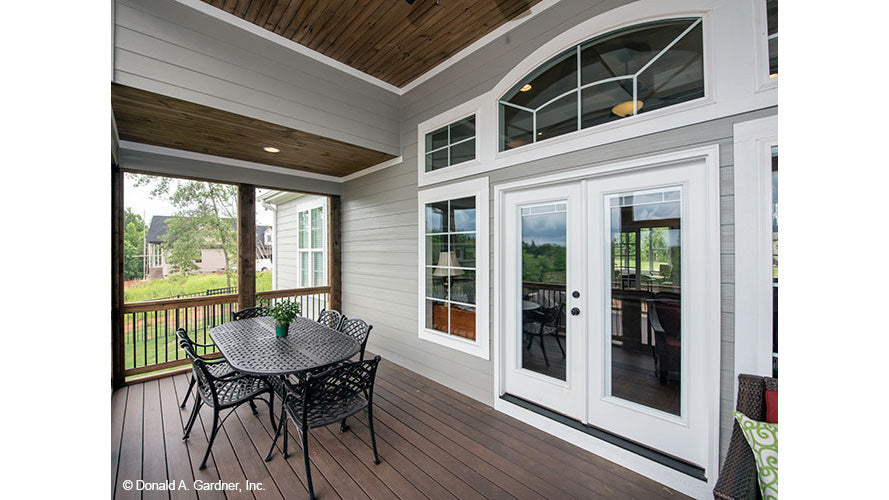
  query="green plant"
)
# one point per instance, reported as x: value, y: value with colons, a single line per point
x: 284, y: 312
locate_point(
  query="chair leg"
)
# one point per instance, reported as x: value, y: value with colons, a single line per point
x: 212, y: 438
x: 286, y: 455
x: 343, y: 426
x: 277, y: 433
x: 543, y: 348
x: 559, y: 343
x: 253, y: 407
x: 305, y: 436
x: 373, y: 438
x: 188, y: 392
x: 272, y: 409
x: 191, y: 419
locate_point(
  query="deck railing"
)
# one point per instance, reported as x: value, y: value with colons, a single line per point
x: 149, y: 327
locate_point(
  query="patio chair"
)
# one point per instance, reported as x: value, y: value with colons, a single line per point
x: 664, y: 319
x: 218, y: 367
x: 331, y: 318
x: 223, y: 394
x: 250, y: 312
x: 326, y: 398
x: 737, y: 477
x: 541, y: 323
x: 358, y: 329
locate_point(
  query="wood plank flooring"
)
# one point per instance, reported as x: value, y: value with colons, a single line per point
x: 433, y: 443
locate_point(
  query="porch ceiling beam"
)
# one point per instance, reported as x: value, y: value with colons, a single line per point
x: 246, y: 246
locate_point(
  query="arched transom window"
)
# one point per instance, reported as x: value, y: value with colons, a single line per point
x: 629, y: 71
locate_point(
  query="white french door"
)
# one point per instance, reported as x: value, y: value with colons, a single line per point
x: 618, y: 271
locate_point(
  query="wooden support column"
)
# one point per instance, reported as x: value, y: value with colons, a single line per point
x: 246, y: 246
x: 334, y: 254
x: 117, y: 265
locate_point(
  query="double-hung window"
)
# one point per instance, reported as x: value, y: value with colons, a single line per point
x: 453, y: 290
x: 311, y: 247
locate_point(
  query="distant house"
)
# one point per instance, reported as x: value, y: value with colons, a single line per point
x: 300, y: 235
x: 212, y: 259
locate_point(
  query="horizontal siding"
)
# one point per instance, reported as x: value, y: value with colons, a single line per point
x: 166, y: 47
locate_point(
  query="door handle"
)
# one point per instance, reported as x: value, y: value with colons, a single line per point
x: 575, y: 311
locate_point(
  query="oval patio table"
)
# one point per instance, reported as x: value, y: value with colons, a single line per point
x: 251, y: 347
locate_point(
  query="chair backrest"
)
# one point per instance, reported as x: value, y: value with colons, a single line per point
x: 323, y: 392
x: 250, y: 312
x: 199, y: 368
x: 358, y: 329
x: 665, y: 310
x: 330, y: 318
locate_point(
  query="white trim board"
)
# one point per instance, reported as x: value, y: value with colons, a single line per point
x: 271, y: 36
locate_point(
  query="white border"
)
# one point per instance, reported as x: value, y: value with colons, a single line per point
x: 753, y: 245
x: 660, y: 473
x: 479, y: 189
x: 468, y: 108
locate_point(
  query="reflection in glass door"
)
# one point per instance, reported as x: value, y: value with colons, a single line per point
x: 543, y: 270
x: 646, y: 337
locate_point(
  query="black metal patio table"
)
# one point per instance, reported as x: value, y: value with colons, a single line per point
x: 251, y: 347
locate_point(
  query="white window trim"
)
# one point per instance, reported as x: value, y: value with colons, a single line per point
x: 477, y: 188
x: 465, y: 110
x: 730, y: 85
x: 303, y: 207
x: 753, y: 141
x: 761, y: 27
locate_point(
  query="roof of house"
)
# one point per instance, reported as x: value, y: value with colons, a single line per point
x: 158, y: 229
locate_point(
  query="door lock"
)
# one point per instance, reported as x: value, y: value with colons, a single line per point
x: 575, y: 294
x: 575, y: 311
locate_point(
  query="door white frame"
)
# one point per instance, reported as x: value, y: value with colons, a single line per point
x: 660, y: 473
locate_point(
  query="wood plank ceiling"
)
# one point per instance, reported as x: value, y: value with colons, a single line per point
x: 159, y: 120
x: 389, y: 39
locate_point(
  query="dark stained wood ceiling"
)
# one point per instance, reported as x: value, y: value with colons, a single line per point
x: 159, y: 120
x: 388, y: 39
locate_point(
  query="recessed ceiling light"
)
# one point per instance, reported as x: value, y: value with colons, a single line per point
x: 270, y: 149
x: 773, y: 75
x: 526, y: 87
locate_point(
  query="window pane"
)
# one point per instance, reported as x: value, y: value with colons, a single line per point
x: 557, y: 118
x: 772, y: 23
x: 772, y: 16
x: 625, y: 52
x: 463, y: 247
x: 317, y: 228
x: 437, y: 282
x: 437, y: 139
x: 464, y: 151
x: 463, y: 129
x: 437, y: 316
x: 515, y: 127
x: 773, y: 56
x: 462, y: 286
x: 599, y: 100
x: 553, y: 78
x: 304, y: 229
x: 436, y: 217
x: 435, y: 246
x: 318, y: 268
x: 677, y: 76
x: 463, y: 214
x: 304, y: 269
x: 774, y: 261
x: 462, y: 321
x: 437, y: 160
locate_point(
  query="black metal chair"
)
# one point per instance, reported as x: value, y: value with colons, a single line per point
x: 250, y: 312
x: 358, y: 329
x: 545, y: 322
x: 331, y: 318
x: 326, y: 398
x: 218, y: 367
x: 223, y: 394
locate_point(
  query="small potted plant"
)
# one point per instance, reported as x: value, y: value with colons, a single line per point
x: 284, y: 312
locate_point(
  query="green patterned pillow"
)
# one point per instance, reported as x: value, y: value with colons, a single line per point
x: 763, y: 440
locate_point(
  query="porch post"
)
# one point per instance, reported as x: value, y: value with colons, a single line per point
x: 117, y: 355
x: 246, y: 246
x: 334, y: 269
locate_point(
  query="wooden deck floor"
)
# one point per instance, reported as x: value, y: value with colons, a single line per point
x: 433, y: 443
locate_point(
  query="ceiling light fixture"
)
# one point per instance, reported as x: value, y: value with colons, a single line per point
x: 526, y: 87
x: 773, y: 75
x: 270, y: 149
x: 626, y: 108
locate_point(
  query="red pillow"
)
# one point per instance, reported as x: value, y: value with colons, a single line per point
x: 772, y: 407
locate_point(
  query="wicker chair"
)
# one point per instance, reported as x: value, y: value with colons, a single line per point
x: 218, y: 367
x: 358, y: 329
x: 331, y: 318
x: 543, y: 323
x: 326, y: 398
x: 250, y: 312
x: 223, y: 394
x: 737, y: 477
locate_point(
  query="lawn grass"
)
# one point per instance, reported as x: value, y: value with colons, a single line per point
x: 194, y: 283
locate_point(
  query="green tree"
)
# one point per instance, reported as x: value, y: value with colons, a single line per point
x: 133, y: 245
x: 205, y: 218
